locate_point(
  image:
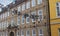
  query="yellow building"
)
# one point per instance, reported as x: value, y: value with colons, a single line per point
x: 55, y: 17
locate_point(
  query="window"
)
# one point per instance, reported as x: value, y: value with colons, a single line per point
x: 7, y: 23
x: 1, y: 16
x: 59, y: 31
x: 8, y: 13
x: 18, y: 20
x: 33, y: 32
x: 39, y: 1
x: 22, y: 19
x: 40, y: 13
x: 22, y: 33
x: 5, y: 14
x: 6, y: 33
x: 27, y: 5
x: 27, y: 19
x: 33, y: 3
x: 40, y: 32
x: 0, y: 25
x: 4, y: 25
x: 33, y: 13
x: 19, y: 8
x: 12, y: 21
x: 27, y: 33
x: 18, y: 33
x: 23, y: 7
x: 58, y: 8
x: 0, y: 9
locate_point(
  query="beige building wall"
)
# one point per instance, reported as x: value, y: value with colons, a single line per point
x: 38, y: 25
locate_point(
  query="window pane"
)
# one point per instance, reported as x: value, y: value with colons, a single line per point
x: 39, y: 1
x: 27, y: 33
x: 18, y: 34
x: 22, y: 32
x: 23, y: 6
x: 58, y: 11
x: 33, y: 31
x: 27, y: 20
x: 18, y: 20
x: 8, y: 13
x: 22, y: 19
x: 58, y: 8
x: 41, y: 31
x: 27, y: 5
x: 19, y: 8
x: 33, y: 3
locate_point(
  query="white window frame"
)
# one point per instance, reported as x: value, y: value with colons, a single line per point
x: 6, y: 33
x: 8, y: 14
x: 22, y: 20
x: 56, y: 8
x: 21, y: 32
x: 27, y: 34
x: 39, y: 1
x: 18, y: 19
x: 27, y: 18
x: 39, y: 32
x: 19, y: 8
x: 28, y: 5
x: 40, y: 14
x: 32, y: 32
x: 0, y: 25
x: 23, y: 6
x: 12, y: 21
x: 1, y: 16
x: 7, y: 23
x: 18, y: 33
x: 33, y: 3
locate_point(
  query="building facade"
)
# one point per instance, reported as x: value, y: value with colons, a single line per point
x: 27, y: 18
x: 55, y: 17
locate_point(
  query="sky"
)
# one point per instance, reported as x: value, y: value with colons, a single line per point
x: 5, y: 2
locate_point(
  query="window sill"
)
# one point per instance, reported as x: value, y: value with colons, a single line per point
x: 57, y: 16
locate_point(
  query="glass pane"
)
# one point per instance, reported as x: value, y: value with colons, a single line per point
x: 34, y: 32
x: 27, y: 32
x: 22, y: 32
x: 58, y: 11
x: 27, y: 19
x: 23, y: 7
x: 19, y: 8
x: 33, y: 3
x: 27, y: 5
x: 40, y: 31
x: 18, y: 20
x: 39, y: 1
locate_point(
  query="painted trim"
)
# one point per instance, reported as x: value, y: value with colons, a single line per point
x: 55, y: 23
